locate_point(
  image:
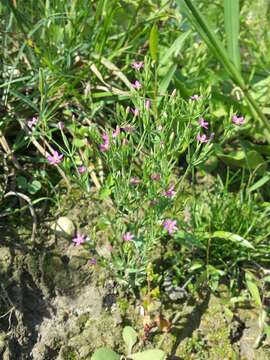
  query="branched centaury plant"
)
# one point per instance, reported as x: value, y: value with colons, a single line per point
x: 229, y: 62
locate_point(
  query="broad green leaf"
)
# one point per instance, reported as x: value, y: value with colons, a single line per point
x: 34, y: 187
x: 105, y: 354
x: 253, y: 289
x: 153, y: 42
x: 254, y: 160
x: 231, y: 21
x: 130, y: 337
x: 22, y: 182
x: 149, y: 355
x: 233, y: 237
x: 239, y: 158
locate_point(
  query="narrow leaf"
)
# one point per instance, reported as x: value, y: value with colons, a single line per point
x: 253, y: 289
x: 153, y: 42
x: 233, y: 237
x: 231, y: 20
x: 259, y: 183
x: 165, y: 82
x: 175, y: 48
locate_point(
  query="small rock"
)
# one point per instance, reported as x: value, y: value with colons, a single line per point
x: 64, y: 227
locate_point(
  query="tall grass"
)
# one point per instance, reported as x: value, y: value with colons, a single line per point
x: 230, y: 59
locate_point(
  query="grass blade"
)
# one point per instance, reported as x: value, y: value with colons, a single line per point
x: 231, y: 20
x: 153, y: 42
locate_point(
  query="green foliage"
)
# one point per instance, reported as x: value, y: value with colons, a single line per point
x: 148, y: 355
x: 105, y: 354
x: 130, y: 338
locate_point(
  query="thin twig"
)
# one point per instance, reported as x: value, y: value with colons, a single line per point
x: 31, y: 208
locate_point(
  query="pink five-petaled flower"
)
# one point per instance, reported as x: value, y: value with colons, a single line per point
x: 137, y: 65
x: 238, y: 120
x: 93, y: 262
x: 195, y: 97
x: 202, y: 138
x: 33, y: 122
x: 170, y: 192
x: 170, y: 226
x: 128, y: 236
x: 79, y: 239
x: 82, y: 169
x: 204, y: 124
x: 106, y: 143
x: 137, y: 85
x: 55, y: 159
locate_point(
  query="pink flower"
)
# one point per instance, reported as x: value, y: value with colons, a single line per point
x: 137, y: 85
x: 137, y: 65
x: 134, y: 180
x: 195, y: 97
x: 55, y: 159
x: 79, y: 239
x: 203, y: 123
x: 238, y: 120
x: 155, y: 176
x: 32, y: 123
x: 106, y: 143
x: 170, y: 192
x: 106, y: 138
x: 92, y: 262
x: 128, y: 236
x: 170, y: 226
x: 116, y: 132
x: 82, y: 169
x: 202, y: 138
x: 135, y: 111
x: 104, y: 147
x: 147, y: 104
x: 60, y: 125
